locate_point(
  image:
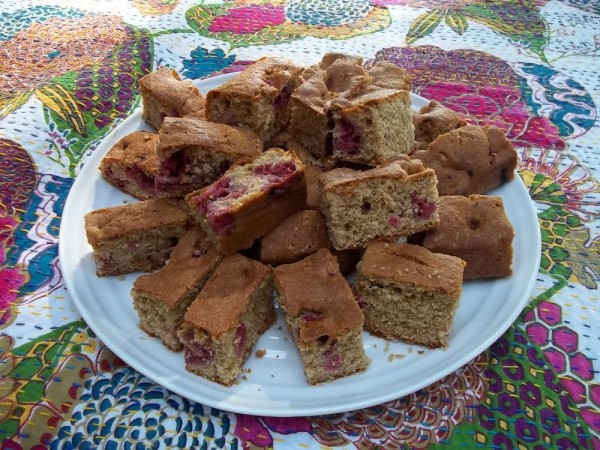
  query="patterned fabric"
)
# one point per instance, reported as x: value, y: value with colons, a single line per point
x: 68, y: 76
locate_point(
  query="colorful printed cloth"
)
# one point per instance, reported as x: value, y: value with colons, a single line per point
x: 68, y: 76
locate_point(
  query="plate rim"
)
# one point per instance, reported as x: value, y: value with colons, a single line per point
x: 529, y: 214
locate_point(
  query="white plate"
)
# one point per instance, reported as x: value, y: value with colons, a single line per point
x: 275, y: 384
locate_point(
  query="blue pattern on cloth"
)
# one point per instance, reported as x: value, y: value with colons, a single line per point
x: 326, y: 13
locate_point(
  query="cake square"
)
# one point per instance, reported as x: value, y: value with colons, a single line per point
x: 299, y: 236
x: 162, y: 298
x: 296, y: 237
x: 311, y: 120
x: 360, y: 113
x: 165, y: 94
x: 470, y: 160
x: 433, y: 120
x: 373, y: 127
x: 250, y: 199
x: 257, y: 98
x: 194, y: 153
x: 394, y: 200
x: 226, y: 319
x: 322, y: 316
x: 408, y: 293
x: 131, y: 165
x: 136, y: 236
x: 477, y: 230
x: 193, y: 243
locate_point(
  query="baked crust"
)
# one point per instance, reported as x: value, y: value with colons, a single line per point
x: 110, y: 223
x: 327, y: 294
x: 188, y: 133
x: 433, y: 120
x: 407, y: 263
x: 296, y: 237
x: 193, y: 243
x: 170, y: 284
x: 174, y: 96
x: 470, y: 160
x: 137, y: 149
x: 131, y: 165
x: 225, y: 295
x: 400, y: 168
x: 477, y: 230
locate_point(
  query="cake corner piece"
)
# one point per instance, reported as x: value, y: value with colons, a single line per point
x: 396, y: 199
x: 408, y: 293
x: 224, y: 322
x: 322, y: 316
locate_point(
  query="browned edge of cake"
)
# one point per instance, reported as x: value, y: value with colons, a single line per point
x: 322, y: 316
x: 226, y: 319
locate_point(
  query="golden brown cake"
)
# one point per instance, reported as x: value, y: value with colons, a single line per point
x: 226, y: 319
x: 164, y: 94
x: 408, y: 293
x: 131, y: 165
x: 373, y: 127
x: 299, y: 236
x: 194, y: 153
x: 433, y: 120
x: 470, y: 160
x: 257, y: 98
x: 390, y: 201
x: 162, y: 298
x: 296, y: 237
x: 357, y: 113
x: 388, y: 75
x: 136, y: 236
x: 477, y: 230
x: 322, y: 316
x: 193, y: 243
x: 250, y: 199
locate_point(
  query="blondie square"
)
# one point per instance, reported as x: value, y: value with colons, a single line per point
x: 408, y: 293
x: 394, y: 200
x: 257, y: 98
x: 136, y: 236
x: 477, y: 230
x: 250, y: 199
x: 322, y: 316
x: 165, y: 94
x: 470, y: 160
x: 373, y: 127
x: 226, y: 319
x: 193, y: 153
x: 433, y: 120
x: 131, y: 165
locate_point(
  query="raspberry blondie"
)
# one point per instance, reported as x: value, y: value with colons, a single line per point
x: 226, y: 319
x: 250, y: 199
x: 322, y: 316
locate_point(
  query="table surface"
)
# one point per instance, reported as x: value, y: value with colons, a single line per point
x: 69, y: 75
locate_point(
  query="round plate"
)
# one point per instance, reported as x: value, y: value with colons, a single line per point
x: 274, y: 385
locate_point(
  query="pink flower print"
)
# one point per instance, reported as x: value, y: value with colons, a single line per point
x: 248, y: 19
x: 500, y: 106
x: 7, y: 225
x: 257, y: 430
x: 10, y: 282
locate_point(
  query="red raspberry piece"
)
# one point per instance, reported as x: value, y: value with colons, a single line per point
x: 348, y: 139
x: 423, y: 207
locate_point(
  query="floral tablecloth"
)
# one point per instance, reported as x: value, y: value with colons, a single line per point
x: 68, y: 76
